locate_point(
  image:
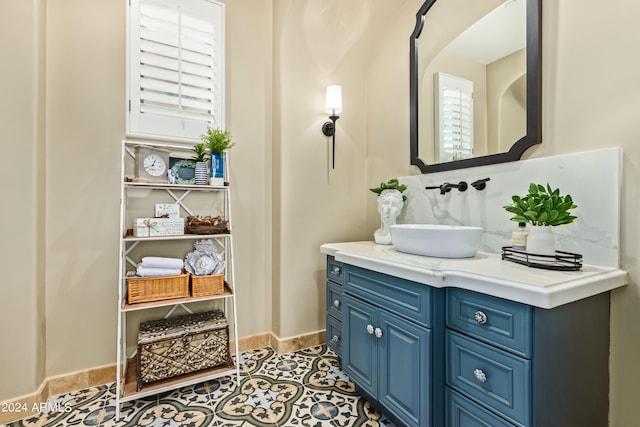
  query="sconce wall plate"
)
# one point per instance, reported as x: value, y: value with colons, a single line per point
x: 329, y: 128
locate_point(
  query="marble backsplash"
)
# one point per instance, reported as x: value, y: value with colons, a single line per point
x: 593, y: 179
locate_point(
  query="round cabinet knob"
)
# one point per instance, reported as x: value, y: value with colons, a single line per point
x: 335, y: 339
x: 336, y: 270
x: 370, y: 329
x: 480, y: 376
x: 480, y: 317
x: 336, y: 303
x: 378, y: 332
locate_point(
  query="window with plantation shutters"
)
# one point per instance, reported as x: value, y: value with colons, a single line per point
x: 454, y: 117
x: 175, y: 68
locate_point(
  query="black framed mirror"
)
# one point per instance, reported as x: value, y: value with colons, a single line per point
x: 439, y: 134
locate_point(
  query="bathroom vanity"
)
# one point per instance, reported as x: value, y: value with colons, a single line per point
x: 471, y: 342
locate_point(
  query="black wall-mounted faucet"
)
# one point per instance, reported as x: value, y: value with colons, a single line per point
x: 446, y: 187
x: 480, y: 184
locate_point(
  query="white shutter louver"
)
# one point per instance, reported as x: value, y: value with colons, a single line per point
x: 176, y: 67
x: 454, y: 117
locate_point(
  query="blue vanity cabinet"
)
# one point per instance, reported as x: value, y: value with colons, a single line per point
x: 515, y: 365
x: 388, y: 348
x: 334, y: 305
x: 450, y: 357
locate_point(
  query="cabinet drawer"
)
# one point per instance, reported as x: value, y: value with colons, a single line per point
x: 409, y: 299
x: 495, y: 378
x: 334, y: 335
x: 463, y: 412
x: 506, y: 324
x: 334, y: 270
x: 334, y: 300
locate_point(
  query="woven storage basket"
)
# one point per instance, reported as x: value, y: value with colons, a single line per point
x: 206, y: 225
x: 203, y: 286
x: 176, y: 346
x: 146, y: 289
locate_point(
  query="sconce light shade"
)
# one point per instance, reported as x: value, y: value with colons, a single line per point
x: 333, y: 103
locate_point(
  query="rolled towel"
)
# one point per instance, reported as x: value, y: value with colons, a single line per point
x: 152, y: 271
x: 161, y: 262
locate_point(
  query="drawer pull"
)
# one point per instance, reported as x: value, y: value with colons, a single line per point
x: 480, y: 317
x: 480, y: 376
x: 370, y: 329
x: 336, y: 303
x: 335, y: 339
x: 336, y: 270
x: 378, y: 332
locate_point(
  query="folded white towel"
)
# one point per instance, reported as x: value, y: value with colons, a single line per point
x: 152, y: 271
x: 161, y: 262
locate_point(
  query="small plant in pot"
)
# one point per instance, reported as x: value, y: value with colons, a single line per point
x: 217, y: 141
x: 200, y: 156
x: 543, y: 208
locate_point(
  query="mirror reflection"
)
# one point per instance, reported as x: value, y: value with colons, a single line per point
x: 474, y: 68
x: 472, y: 92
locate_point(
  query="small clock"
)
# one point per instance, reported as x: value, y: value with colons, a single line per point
x: 151, y: 165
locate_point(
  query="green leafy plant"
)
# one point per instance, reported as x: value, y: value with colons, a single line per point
x: 542, y: 206
x: 217, y: 140
x: 391, y: 184
x: 200, y: 152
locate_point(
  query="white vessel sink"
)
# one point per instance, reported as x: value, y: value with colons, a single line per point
x: 442, y: 241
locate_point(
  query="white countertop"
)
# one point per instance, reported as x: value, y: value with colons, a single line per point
x: 486, y: 273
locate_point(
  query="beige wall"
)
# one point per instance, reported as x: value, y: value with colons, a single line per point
x: 506, y: 101
x: 318, y: 43
x: 23, y: 191
x: 287, y: 200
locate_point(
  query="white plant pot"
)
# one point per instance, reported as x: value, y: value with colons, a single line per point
x: 541, y: 240
x: 201, y: 173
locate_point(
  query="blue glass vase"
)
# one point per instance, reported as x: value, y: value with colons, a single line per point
x: 217, y: 169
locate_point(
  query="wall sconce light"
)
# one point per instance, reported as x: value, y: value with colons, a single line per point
x: 333, y: 106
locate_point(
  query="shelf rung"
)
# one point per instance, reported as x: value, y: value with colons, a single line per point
x: 129, y: 390
x: 228, y: 292
x: 177, y: 237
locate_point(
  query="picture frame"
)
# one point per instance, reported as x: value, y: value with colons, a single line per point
x: 184, y: 170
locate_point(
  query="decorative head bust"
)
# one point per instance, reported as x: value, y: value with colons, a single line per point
x: 389, y: 206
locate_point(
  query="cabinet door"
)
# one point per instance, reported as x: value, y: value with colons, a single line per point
x: 334, y: 335
x: 404, y: 349
x: 334, y: 300
x: 359, y: 356
x: 463, y: 412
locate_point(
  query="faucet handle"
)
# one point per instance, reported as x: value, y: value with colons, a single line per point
x: 480, y: 184
x: 446, y: 187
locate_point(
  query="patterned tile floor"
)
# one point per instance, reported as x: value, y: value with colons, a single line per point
x: 305, y: 388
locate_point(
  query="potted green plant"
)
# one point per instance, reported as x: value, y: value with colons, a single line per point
x: 390, y: 201
x: 200, y: 156
x: 217, y: 141
x: 543, y: 208
x: 391, y: 184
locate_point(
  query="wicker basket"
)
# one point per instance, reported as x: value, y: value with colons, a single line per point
x: 204, y: 286
x: 177, y: 346
x: 145, y: 289
x: 206, y: 225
